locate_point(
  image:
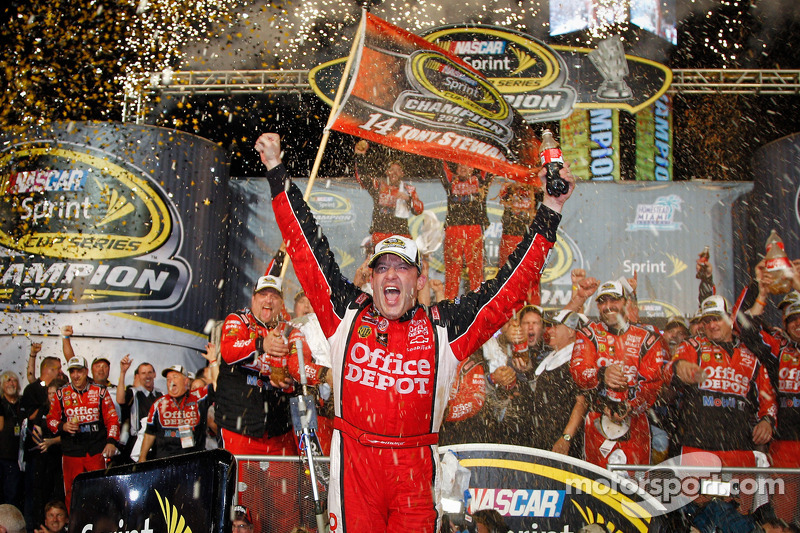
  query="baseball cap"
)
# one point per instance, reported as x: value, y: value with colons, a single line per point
x: 269, y: 282
x: 101, y: 358
x: 76, y: 362
x: 714, y: 306
x: 791, y: 310
x: 697, y: 316
x: 402, y: 247
x: 242, y: 513
x: 677, y: 320
x: 568, y: 318
x: 174, y: 368
x: 791, y: 298
x: 611, y: 288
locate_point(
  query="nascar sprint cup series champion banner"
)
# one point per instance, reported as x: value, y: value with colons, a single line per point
x: 94, y: 234
x: 409, y: 94
x: 542, y: 82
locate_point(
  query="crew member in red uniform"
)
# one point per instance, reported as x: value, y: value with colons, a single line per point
x: 318, y: 377
x: 84, y: 416
x: 252, y: 407
x: 622, y: 361
x: 729, y: 405
x: 779, y: 351
x: 393, y: 360
x: 519, y: 208
x: 393, y: 199
x: 464, y: 225
x: 467, y: 397
x: 177, y: 421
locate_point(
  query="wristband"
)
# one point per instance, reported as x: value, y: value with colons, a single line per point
x: 761, y: 302
x: 65, y: 336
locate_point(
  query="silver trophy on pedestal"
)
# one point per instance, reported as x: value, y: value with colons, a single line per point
x: 609, y: 59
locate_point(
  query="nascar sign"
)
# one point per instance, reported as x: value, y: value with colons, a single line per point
x: 538, y: 490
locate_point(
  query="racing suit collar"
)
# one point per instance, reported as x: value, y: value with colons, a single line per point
x: 408, y: 315
x: 81, y: 391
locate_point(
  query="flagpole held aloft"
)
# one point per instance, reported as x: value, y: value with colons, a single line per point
x: 334, y: 109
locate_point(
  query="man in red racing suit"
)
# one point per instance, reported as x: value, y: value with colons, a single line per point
x: 464, y: 224
x: 393, y: 360
x: 252, y: 409
x: 85, y: 417
x: 623, y: 363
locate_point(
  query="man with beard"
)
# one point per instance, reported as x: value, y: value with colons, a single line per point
x: 621, y: 362
x: 252, y: 409
x: 177, y: 420
x: 393, y: 359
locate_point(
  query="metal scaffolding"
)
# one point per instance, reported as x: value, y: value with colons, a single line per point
x: 231, y: 82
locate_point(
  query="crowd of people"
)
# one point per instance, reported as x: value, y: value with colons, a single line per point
x: 376, y: 354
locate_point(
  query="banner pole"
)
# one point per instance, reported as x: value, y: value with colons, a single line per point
x: 327, y: 132
x: 334, y: 108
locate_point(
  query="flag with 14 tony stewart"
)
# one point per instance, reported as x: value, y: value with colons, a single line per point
x: 409, y: 94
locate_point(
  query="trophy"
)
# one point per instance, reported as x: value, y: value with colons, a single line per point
x: 609, y: 59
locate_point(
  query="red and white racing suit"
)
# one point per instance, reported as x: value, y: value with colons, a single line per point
x: 314, y: 377
x: 719, y: 414
x: 253, y: 416
x: 781, y: 358
x: 464, y: 225
x: 94, y: 411
x: 641, y: 353
x: 468, y: 393
x: 392, y: 377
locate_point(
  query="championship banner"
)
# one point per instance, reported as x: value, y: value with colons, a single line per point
x: 654, y: 156
x: 411, y: 95
x: 115, y: 230
x: 590, y: 142
x: 542, y: 82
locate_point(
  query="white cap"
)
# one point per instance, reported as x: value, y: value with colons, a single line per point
x: 679, y: 320
x: 76, y: 362
x: 402, y: 247
x: 714, y: 306
x: 791, y: 298
x: 269, y: 282
x: 174, y: 368
x: 791, y: 310
x: 611, y: 288
x: 568, y: 318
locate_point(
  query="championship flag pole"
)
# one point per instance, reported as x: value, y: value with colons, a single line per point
x: 334, y: 109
